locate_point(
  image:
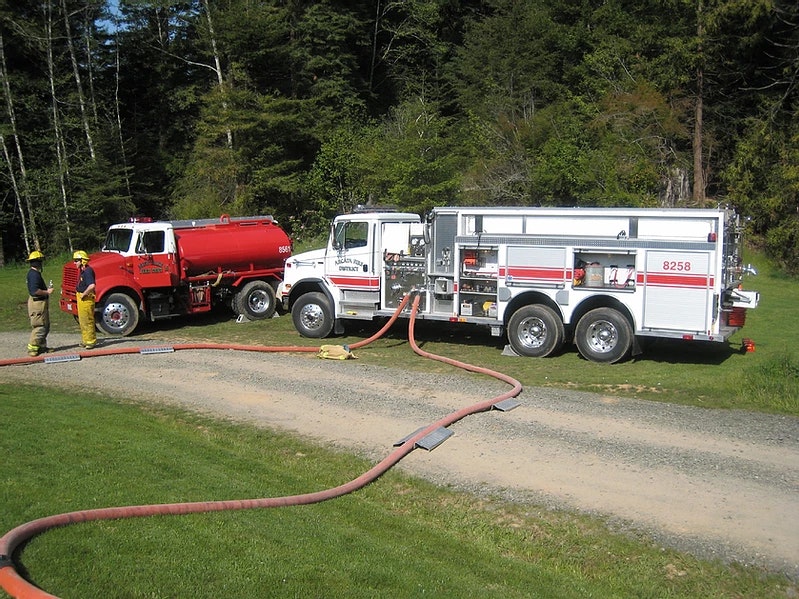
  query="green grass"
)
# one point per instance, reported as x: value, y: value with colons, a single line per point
x: 398, y: 537
x: 704, y: 374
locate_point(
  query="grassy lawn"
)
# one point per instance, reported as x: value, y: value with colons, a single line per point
x: 399, y: 537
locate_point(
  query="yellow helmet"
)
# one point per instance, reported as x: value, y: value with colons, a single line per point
x: 81, y: 255
x: 35, y: 255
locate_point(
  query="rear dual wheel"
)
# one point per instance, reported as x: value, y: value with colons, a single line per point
x: 604, y: 335
x: 256, y: 300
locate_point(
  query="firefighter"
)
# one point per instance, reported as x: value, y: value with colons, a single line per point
x: 38, y: 305
x: 85, y: 296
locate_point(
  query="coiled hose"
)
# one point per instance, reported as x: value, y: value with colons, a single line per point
x: 16, y: 586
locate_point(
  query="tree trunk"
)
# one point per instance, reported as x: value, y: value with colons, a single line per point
x: 87, y: 40
x: 21, y: 196
x: 699, y: 169
x: 17, y: 196
x: 122, y: 150
x: 78, y: 84
x: 218, y: 68
x: 373, y: 60
x: 63, y: 172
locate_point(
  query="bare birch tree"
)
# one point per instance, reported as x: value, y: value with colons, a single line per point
x: 17, y: 196
x: 21, y: 197
x: 61, y: 156
x: 699, y: 167
x: 217, y: 67
x: 87, y: 42
x: 122, y: 151
x: 78, y: 85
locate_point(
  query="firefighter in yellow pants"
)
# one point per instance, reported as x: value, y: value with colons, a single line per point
x: 85, y: 295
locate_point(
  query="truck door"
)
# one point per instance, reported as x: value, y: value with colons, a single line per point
x: 154, y: 263
x: 678, y: 288
x: 350, y: 263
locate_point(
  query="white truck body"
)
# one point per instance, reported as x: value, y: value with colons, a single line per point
x: 602, y: 277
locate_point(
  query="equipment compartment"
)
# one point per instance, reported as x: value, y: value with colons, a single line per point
x: 478, y: 282
x: 594, y: 270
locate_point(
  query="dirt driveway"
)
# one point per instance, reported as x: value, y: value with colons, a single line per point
x: 721, y: 484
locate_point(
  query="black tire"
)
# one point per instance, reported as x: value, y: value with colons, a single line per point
x: 119, y: 315
x: 604, y: 335
x: 535, y: 331
x: 312, y: 315
x: 256, y: 300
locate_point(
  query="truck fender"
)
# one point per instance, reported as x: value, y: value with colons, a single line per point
x: 116, y: 284
x: 308, y: 286
x: 109, y: 285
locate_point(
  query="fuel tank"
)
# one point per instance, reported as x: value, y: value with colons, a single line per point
x: 247, y: 244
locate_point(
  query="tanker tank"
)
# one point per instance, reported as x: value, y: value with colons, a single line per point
x: 247, y: 245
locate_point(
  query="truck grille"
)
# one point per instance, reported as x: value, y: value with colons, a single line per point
x: 70, y: 278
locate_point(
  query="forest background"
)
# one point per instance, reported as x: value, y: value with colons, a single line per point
x: 302, y: 110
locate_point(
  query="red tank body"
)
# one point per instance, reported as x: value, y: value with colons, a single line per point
x: 238, y: 245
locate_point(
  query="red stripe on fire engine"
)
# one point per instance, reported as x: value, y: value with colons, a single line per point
x: 536, y: 272
x: 356, y: 282
x: 662, y: 279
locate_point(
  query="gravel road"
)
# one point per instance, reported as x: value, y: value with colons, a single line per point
x: 719, y: 484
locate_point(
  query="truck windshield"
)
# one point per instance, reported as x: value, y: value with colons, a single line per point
x: 118, y: 240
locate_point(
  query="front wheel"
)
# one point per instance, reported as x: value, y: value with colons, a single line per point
x: 535, y: 331
x: 256, y: 300
x: 603, y: 335
x: 119, y: 315
x: 312, y: 315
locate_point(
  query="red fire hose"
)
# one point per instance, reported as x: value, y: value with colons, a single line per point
x: 18, y: 587
x: 252, y: 348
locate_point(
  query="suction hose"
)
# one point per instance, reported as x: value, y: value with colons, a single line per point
x: 16, y: 586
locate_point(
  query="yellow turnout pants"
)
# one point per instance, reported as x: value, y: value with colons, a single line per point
x: 39, y: 313
x: 86, y: 319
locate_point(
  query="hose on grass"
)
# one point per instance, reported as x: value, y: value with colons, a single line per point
x: 17, y: 586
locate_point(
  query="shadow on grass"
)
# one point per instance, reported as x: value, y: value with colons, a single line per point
x: 678, y: 351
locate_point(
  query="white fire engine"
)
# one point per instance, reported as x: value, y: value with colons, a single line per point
x: 603, y: 278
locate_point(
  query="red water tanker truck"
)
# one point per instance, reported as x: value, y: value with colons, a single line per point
x: 161, y: 269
